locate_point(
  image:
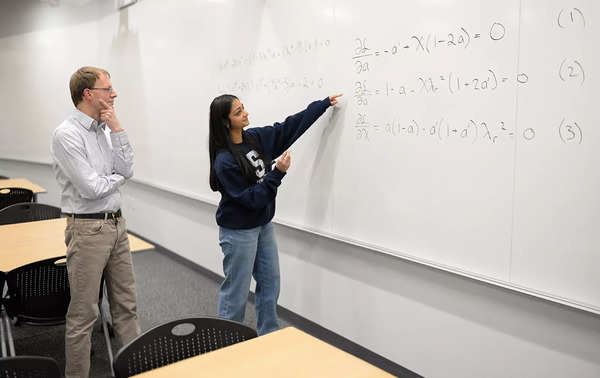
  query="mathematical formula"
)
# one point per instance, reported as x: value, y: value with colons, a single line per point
x: 427, y: 43
x: 368, y: 89
x: 265, y: 84
x: 470, y: 130
x: 287, y: 51
x: 450, y: 83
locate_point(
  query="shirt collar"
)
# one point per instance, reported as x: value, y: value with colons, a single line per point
x: 86, y: 121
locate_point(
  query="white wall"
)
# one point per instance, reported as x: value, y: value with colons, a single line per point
x: 432, y: 322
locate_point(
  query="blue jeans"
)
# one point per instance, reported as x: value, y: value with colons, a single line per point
x: 250, y: 253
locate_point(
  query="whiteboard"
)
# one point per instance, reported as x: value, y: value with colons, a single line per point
x: 466, y: 140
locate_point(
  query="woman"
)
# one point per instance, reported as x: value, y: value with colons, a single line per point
x: 240, y: 169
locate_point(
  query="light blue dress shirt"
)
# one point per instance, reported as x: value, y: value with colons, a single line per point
x: 90, y: 166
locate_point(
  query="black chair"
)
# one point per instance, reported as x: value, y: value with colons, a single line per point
x: 28, y: 212
x: 38, y: 293
x: 4, y: 177
x: 10, y: 196
x: 29, y: 367
x: 178, y: 340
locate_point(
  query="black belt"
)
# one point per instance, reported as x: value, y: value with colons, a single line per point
x: 105, y: 215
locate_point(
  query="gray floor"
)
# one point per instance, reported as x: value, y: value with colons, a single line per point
x: 167, y: 290
x: 181, y: 290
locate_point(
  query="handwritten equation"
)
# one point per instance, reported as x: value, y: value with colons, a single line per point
x: 369, y: 90
x: 450, y: 83
x: 471, y: 130
x: 441, y: 129
x: 427, y: 43
x: 287, y: 51
x: 265, y: 84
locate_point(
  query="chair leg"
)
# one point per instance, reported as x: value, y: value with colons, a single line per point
x: 11, y: 344
x: 2, y: 342
x: 103, y: 319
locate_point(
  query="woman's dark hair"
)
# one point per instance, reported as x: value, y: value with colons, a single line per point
x: 219, y: 139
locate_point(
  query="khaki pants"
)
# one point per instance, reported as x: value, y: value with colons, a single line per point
x: 95, y: 247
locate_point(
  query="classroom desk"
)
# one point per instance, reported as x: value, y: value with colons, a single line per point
x: 24, y: 243
x: 288, y: 352
x: 22, y: 183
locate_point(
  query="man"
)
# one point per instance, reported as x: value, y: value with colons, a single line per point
x: 89, y: 171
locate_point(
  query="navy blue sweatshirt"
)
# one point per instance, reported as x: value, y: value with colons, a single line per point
x: 244, y: 205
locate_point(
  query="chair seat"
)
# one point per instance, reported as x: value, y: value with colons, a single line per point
x: 10, y: 196
x: 177, y: 340
x: 29, y: 367
x: 28, y: 212
x: 39, y: 293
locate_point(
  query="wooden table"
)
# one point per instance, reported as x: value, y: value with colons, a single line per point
x: 22, y: 183
x: 24, y: 243
x: 285, y: 353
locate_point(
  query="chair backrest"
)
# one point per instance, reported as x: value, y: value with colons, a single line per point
x: 28, y: 212
x: 178, y: 340
x: 10, y: 196
x: 29, y: 367
x: 39, y: 293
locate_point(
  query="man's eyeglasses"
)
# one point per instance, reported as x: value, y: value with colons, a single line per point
x: 109, y: 89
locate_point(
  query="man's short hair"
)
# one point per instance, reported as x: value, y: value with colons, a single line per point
x: 83, y: 78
